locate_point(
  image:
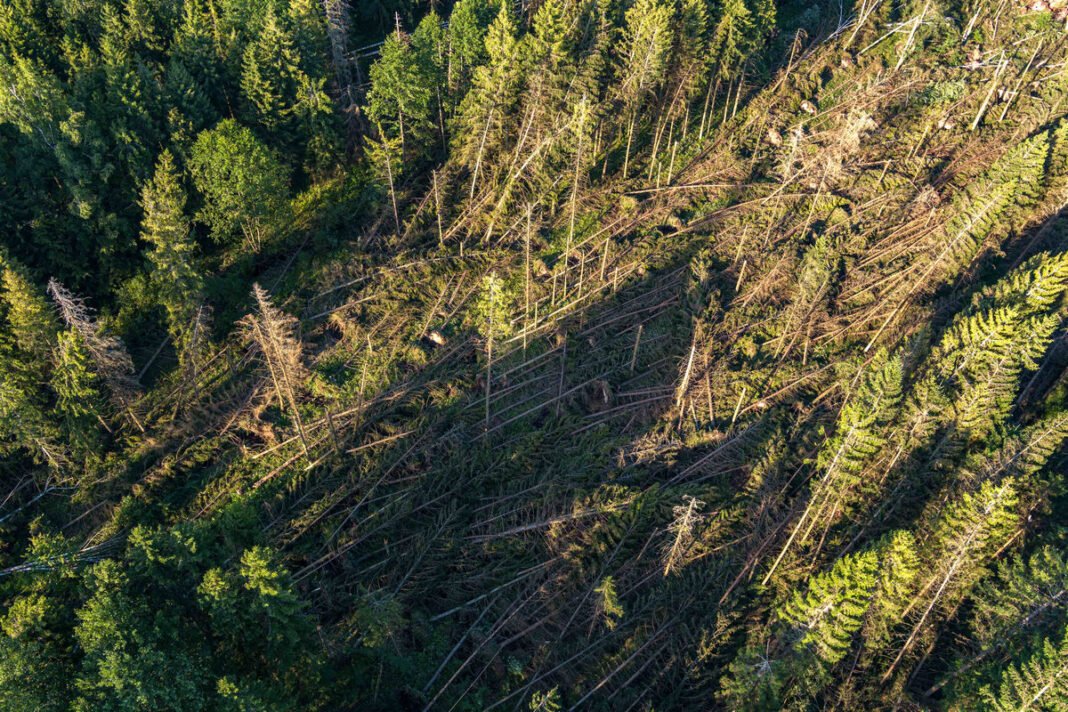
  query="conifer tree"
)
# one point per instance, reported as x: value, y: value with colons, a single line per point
x: 31, y: 321
x: 859, y: 434
x: 609, y: 610
x: 24, y: 426
x: 972, y: 526
x: 483, y: 116
x: 400, y: 99
x: 270, y: 76
x: 1039, y: 682
x: 1012, y: 611
x: 76, y: 394
x: 899, y: 565
x: 110, y: 359
x: 274, y: 334
x: 1026, y: 595
x: 492, y: 317
x: 825, y: 617
x: 386, y: 158
x: 166, y: 228
x: 431, y: 49
x: 647, y: 50
x: 314, y: 114
x: 307, y: 18
x: 468, y: 23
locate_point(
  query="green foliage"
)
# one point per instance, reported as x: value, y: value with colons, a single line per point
x: 482, y: 121
x: 491, y: 314
x: 625, y: 353
x: 610, y: 611
x: 400, y: 100
x: 166, y: 228
x: 243, y: 183
x: 825, y: 617
x: 1038, y: 682
x: 77, y: 397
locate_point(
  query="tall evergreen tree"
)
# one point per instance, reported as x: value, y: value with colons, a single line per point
x: 401, y: 97
x: 77, y: 398
x: 482, y: 127
x: 270, y: 78
x: 166, y: 229
x: 645, y: 59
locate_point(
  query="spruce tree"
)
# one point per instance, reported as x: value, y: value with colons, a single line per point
x: 77, y: 398
x: 1039, y: 682
x: 824, y: 617
x: 859, y: 435
x: 401, y: 97
x: 483, y: 117
x: 32, y: 322
x: 468, y: 23
x: 166, y: 229
x: 970, y: 528
x: 270, y: 77
x: 644, y: 60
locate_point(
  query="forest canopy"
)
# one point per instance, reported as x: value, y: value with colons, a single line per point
x: 565, y: 354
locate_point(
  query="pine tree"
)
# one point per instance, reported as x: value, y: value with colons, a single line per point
x: 166, y: 229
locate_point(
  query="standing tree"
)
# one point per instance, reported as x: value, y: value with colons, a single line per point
x: 165, y: 227
x: 468, y: 22
x: 274, y: 334
x: 647, y: 49
x: 400, y: 100
x: 109, y: 356
x: 270, y: 78
x: 483, y: 119
x: 76, y: 393
x: 492, y: 314
x: 243, y: 183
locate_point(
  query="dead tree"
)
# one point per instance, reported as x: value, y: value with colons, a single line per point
x: 273, y: 333
x: 109, y: 355
x: 686, y: 518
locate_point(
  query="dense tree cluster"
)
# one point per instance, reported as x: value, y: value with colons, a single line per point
x: 573, y: 354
